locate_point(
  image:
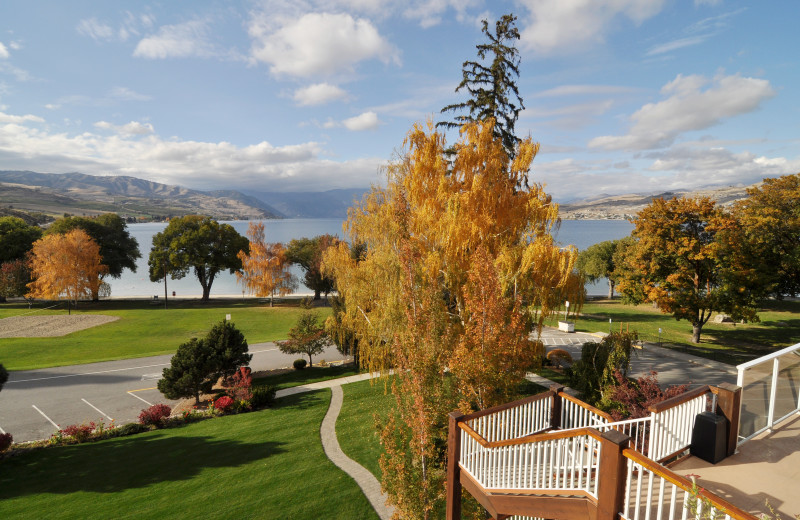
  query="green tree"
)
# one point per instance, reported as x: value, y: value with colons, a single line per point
x: 593, y: 374
x: 307, y: 253
x: 307, y: 337
x: 199, y: 363
x: 198, y: 243
x: 3, y: 376
x: 16, y: 238
x: 15, y: 276
x: 597, y: 261
x: 492, y: 85
x: 118, y: 249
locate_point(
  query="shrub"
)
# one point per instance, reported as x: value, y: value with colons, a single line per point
x: 559, y: 358
x: 299, y: 364
x: 593, y: 374
x: 79, y: 432
x: 242, y: 381
x: 5, y: 441
x: 243, y: 405
x: 223, y: 404
x: 631, y: 400
x: 263, y: 396
x: 126, y: 429
x: 154, y: 415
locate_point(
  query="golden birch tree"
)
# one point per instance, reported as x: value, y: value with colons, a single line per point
x: 453, y: 249
x: 265, y: 268
x: 67, y: 265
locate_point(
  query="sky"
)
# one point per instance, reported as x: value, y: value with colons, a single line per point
x: 625, y: 96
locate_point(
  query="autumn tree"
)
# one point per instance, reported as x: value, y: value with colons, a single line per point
x: 265, y: 267
x: 685, y: 260
x: 453, y: 248
x: 196, y: 243
x: 307, y: 337
x: 307, y: 253
x: 491, y: 84
x: 597, y: 261
x: 15, y: 276
x: 16, y: 238
x: 66, y: 265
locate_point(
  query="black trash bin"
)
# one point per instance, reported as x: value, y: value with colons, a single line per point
x: 709, y: 439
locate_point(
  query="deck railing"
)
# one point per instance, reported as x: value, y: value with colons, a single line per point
x: 525, y: 417
x: 672, y: 422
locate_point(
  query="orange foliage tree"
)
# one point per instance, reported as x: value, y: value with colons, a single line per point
x: 67, y: 265
x: 265, y: 268
x: 460, y: 268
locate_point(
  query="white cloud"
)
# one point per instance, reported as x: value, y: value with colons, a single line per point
x: 677, y: 44
x: 584, y: 90
x: 365, y: 121
x: 318, y: 94
x: 95, y: 29
x: 126, y: 94
x: 688, y: 108
x: 317, y: 43
x: 429, y: 13
x: 8, y: 118
x: 128, y: 129
x: 3, y: 52
x: 177, y: 41
x: 559, y: 26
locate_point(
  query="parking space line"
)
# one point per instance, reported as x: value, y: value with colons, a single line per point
x: 96, y: 408
x: 143, y: 389
x: 139, y: 398
x: 46, y: 417
x: 2, y: 431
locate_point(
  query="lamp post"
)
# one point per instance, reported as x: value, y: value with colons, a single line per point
x: 566, y: 310
x: 609, y: 325
x: 659, y: 336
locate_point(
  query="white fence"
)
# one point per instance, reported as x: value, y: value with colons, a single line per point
x: 576, y: 414
x: 512, y: 423
x: 671, y: 429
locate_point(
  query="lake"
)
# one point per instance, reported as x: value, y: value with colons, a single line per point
x: 580, y: 233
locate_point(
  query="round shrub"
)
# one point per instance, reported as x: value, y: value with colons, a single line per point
x: 559, y: 357
x: 299, y: 364
x: 224, y: 404
x: 154, y: 415
x: 263, y: 396
x: 5, y: 441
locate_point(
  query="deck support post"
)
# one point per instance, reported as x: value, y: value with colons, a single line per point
x: 729, y: 405
x: 555, y: 410
x: 612, y: 473
x: 453, y: 470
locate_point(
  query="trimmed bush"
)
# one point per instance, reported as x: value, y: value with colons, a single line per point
x: 79, y: 432
x: 224, y: 404
x: 299, y: 364
x: 154, y: 415
x: 263, y: 396
x: 559, y: 358
x: 5, y: 441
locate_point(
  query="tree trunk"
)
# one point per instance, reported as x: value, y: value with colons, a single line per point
x: 310, y: 363
x: 610, y: 289
x: 696, y: 328
x: 317, y: 294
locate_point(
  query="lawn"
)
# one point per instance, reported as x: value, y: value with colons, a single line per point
x: 355, y: 427
x: 267, y: 464
x: 142, y: 330
x: 727, y: 342
x: 307, y: 375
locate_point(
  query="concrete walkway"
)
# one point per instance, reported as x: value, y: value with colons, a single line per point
x: 330, y: 443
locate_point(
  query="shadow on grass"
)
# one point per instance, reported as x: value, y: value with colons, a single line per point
x: 130, y: 462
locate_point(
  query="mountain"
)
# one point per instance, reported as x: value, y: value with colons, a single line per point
x: 323, y: 204
x: 77, y: 193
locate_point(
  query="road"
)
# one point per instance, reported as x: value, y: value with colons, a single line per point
x: 34, y: 403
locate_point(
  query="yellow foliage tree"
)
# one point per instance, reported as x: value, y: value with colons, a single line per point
x: 265, y: 268
x: 453, y: 250
x: 67, y: 265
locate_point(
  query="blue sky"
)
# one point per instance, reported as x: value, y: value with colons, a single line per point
x: 623, y: 95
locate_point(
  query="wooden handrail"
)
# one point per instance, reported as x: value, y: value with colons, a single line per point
x: 506, y: 406
x: 529, y: 439
x: 678, y: 399
x: 589, y: 407
x: 686, y: 484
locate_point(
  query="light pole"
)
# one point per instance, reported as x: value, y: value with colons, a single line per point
x: 659, y: 336
x: 566, y: 310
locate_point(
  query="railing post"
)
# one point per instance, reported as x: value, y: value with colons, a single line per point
x: 729, y: 405
x: 555, y: 410
x: 612, y: 473
x: 453, y: 470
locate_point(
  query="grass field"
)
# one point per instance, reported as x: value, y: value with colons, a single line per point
x: 727, y: 342
x: 308, y: 375
x: 267, y: 464
x: 142, y: 330
x: 355, y: 427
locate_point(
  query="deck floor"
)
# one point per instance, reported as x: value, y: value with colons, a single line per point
x: 766, y: 467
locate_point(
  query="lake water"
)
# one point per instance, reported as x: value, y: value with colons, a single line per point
x: 580, y: 233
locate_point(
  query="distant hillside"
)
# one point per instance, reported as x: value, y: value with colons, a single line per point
x: 324, y: 204
x: 620, y: 207
x: 77, y: 193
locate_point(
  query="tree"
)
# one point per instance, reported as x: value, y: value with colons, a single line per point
x: 16, y: 238
x: 686, y: 260
x: 307, y: 337
x: 118, y: 249
x: 492, y: 87
x: 770, y: 218
x: 265, y: 268
x: 15, y: 276
x: 68, y: 265
x: 631, y: 400
x: 198, y: 243
x: 307, y: 253
x: 593, y: 374
x: 431, y: 237
x: 3, y: 376
x: 199, y: 363
x: 597, y: 261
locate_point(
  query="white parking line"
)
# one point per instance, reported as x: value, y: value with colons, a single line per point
x: 96, y: 408
x: 46, y: 417
x: 2, y: 431
x: 139, y: 398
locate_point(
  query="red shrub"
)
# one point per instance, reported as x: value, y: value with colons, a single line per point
x: 223, y: 404
x: 154, y: 415
x: 242, y: 380
x: 635, y: 398
x: 5, y: 441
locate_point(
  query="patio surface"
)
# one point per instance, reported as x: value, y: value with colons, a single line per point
x: 766, y: 467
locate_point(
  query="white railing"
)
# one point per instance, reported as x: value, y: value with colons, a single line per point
x: 637, y: 429
x: 569, y: 463
x: 525, y: 419
x: 770, y: 391
x: 671, y: 429
x: 576, y: 414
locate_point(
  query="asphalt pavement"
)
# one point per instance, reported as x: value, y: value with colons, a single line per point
x: 36, y: 403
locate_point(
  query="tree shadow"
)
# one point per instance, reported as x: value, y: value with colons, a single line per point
x: 131, y: 462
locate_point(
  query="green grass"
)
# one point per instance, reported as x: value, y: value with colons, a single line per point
x: 142, y: 330
x: 267, y: 464
x: 725, y: 342
x: 306, y: 376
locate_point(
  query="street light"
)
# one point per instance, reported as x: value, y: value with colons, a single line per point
x: 566, y: 311
x: 659, y: 336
